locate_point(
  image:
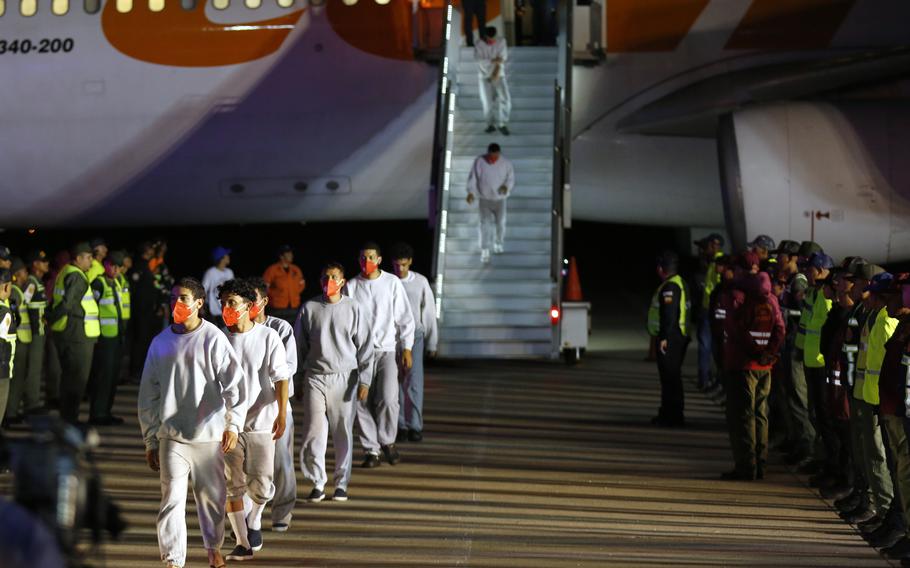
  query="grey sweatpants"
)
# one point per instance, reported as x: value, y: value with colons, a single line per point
x: 202, y: 464
x: 250, y: 467
x: 492, y: 222
x: 285, y: 475
x: 328, y: 402
x: 377, y: 416
x: 410, y: 399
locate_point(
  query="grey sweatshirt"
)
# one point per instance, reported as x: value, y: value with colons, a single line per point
x: 335, y: 338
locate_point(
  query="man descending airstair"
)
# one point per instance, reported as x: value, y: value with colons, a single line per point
x: 492, y: 177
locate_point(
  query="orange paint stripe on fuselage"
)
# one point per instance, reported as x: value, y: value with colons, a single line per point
x: 790, y: 24
x: 650, y: 25
x: 188, y: 38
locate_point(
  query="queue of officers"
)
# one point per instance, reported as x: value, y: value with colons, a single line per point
x: 217, y: 382
x: 812, y: 358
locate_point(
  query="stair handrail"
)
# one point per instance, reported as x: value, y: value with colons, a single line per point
x: 562, y: 138
x: 441, y: 174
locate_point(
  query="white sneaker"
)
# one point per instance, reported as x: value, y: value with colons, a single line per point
x: 497, y: 249
x: 485, y: 256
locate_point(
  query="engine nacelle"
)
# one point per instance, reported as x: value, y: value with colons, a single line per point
x: 838, y: 174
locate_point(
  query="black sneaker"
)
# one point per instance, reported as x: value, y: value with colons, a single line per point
x: 240, y: 554
x: 315, y: 496
x: 490, y: 129
x: 371, y: 461
x: 340, y: 495
x: 391, y: 454
x: 255, y: 538
x: 280, y: 526
x: 504, y: 130
x: 402, y: 435
x: 415, y: 436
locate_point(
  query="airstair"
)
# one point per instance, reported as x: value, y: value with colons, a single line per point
x: 501, y: 309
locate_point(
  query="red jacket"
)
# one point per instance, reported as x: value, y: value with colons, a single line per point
x: 892, y: 382
x: 758, y: 330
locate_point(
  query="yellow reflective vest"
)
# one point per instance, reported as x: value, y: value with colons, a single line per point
x: 818, y: 314
x: 712, y: 279
x: 24, y: 329
x: 7, y: 341
x: 89, y: 306
x: 108, y: 309
x: 96, y: 270
x: 123, y: 295
x: 876, y: 338
x: 654, y: 310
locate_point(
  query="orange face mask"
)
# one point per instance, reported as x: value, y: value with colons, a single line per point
x: 231, y: 316
x: 330, y: 287
x: 255, y: 310
x: 368, y: 266
x: 181, y: 312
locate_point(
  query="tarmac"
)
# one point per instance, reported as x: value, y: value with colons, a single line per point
x: 527, y: 464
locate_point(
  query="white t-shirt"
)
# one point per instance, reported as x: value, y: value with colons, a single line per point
x: 264, y: 363
x: 211, y: 281
x: 385, y: 300
x: 192, y: 388
x: 423, y: 307
x: 286, y: 333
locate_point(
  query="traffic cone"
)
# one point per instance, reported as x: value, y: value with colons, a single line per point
x: 573, y: 284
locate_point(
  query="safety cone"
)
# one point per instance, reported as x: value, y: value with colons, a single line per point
x: 573, y: 284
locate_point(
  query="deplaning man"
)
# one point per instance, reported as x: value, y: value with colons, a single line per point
x: 336, y: 345
x: 191, y: 409
x: 492, y: 178
x: 285, y: 477
x: 383, y: 297
x: 491, y: 55
x: 250, y: 467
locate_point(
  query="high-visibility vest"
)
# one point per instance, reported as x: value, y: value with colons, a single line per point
x: 94, y: 271
x: 804, y: 317
x: 38, y: 301
x: 89, y: 306
x: 7, y: 341
x: 24, y: 330
x: 123, y: 295
x: 107, y: 309
x: 880, y: 333
x: 654, y: 310
x: 812, y: 356
x: 712, y: 279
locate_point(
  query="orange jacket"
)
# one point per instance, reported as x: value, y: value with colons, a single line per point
x: 285, y: 286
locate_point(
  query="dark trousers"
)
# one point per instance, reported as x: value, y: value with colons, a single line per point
x: 669, y: 366
x: 747, y: 403
x: 827, y: 444
x: 76, y: 367
x: 105, y: 372
x: 51, y: 373
x: 25, y: 388
x: 473, y: 9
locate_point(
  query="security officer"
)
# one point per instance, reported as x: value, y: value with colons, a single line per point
x: 708, y: 277
x: 99, y: 253
x: 763, y: 246
x: 7, y: 337
x: 667, y: 322
x: 25, y: 380
x: 76, y: 326
x: 125, y: 300
x: 818, y: 307
x: 106, y: 361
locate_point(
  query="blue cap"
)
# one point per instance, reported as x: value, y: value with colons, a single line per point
x: 880, y: 283
x: 821, y: 261
x: 220, y: 252
x: 763, y: 241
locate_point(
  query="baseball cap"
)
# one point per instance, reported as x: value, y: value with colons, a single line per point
x: 712, y: 237
x: 821, y: 260
x: 667, y: 259
x: 97, y: 242
x: 808, y: 248
x: 763, y: 241
x: 81, y: 247
x: 220, y: 252
x: 5, y: 275
x: 284, y: 248
x: 4, y: 253
x: 882, y: 283
x: 35, y: 256
x: 787, y: 247
x: 865, y: 271
x: 116, y: 257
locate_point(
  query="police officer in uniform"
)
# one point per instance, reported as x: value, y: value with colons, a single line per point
x: 75, y: 323
x: 7, y: 337
x: 667, y: 322
x: 708, y: 277
x: 26, y: 381
x: 106, y: 362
